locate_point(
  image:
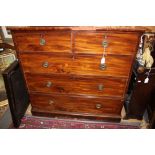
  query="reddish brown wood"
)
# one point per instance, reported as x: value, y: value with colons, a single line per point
x: 84, y: 117
x: 88, y: 105
x: 91, y: 42
x: 76, y: 85
x: 117, y: 66
x: 54, y: 41
x: 137, y: 29
x: 73, y: 55
x: 6, y: 46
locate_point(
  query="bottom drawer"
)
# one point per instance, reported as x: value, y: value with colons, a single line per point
x: 75, y: 105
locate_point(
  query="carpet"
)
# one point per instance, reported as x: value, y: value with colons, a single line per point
x: 33, y: 122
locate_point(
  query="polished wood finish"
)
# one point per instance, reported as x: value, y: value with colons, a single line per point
x: 126, y: 29
x: 103, y: 86
x: 77, y: 105
x: 54, y: 41
x: 61, y: 66
x: 79, y: 65
x: 85, y: 117
x: 118, y: 43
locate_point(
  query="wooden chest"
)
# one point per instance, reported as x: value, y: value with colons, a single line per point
x: 63, y: 71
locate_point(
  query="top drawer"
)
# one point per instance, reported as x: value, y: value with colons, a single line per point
x: 44, y: 41
x: 118, y: 43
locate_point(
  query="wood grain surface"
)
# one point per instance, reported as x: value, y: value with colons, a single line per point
x: 62, y: 68
x: 76, y: 104
x: 117, y: 66
x: 83, y: 85
x: 54, y: 41
x: 119, y: 44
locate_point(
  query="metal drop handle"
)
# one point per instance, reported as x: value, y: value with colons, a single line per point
x: 49, y: 84
x: 103, y: 66
x: 42, y: 41
x: 105, y: 43
x: 98, y: 106
x: 50, y: 102
x: 100, y: 87
x: 45, y: 64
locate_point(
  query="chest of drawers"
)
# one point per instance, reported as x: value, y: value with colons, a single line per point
x: 63, y: 72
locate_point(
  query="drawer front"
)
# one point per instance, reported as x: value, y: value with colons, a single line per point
x: 44, y: 41
x: 41, y: 63
x: 76, y: 85
x: 118, y: 43
x: 75, y: 104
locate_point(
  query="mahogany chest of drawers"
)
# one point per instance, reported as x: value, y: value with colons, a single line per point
x: 64, y: 74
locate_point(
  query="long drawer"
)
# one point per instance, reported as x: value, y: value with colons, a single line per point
x: 45, y: 41
x: 118, y: 43
x: 76, y: 85
x: 75, y: 104
x: 116, y: 66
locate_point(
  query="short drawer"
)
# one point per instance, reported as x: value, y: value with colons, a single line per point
x: 45, y: 41
x: 76, y: 85
x: 118, y: 43
x: 118, y: 66
x: 75, y: 104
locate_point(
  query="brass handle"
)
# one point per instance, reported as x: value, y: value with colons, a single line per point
x: 103, y: 66
x: 100, y: 87
x: 49, y: 84
x: 105, y: 42
x: 42, y: 41
x: 98, y: 106
x: 50, y: 102
x: 45, y: 64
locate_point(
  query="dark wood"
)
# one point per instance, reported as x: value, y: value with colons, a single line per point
x: 142, y: 95
x: 117, y: 66
x: 105, y: 117
x: 6, y: 46
x: 76, y: 85
x: 70, y: 59
x: 151, y: 110
x: 17, y: 93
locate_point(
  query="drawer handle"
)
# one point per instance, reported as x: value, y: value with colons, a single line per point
x: 42, y: 42
x: 49, y: 84
x: 103, y: 59
x: 45, y: 64
x: 105, y: 43
x: 98, y: 106
x: 50, y: 102
x: 103, y: 66
x: 100, y: 87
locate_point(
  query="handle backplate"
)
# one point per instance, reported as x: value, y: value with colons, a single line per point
x: 42, y: 41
